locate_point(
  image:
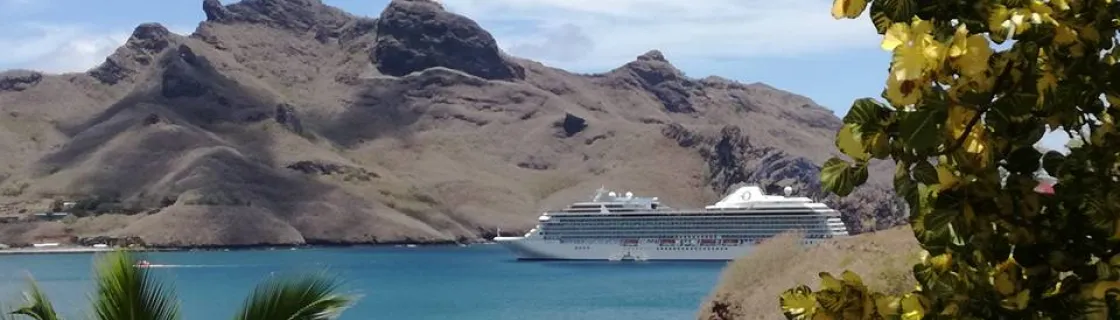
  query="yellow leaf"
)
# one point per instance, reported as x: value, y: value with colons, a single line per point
x: 851, y: 278
x: 908, y: 63
x: 912, y: 308
x: 850, y: 9
x: 969, y: 213
x: 823, y: 316
x: 878, y: 145
x: 957, y: 48
x: 1113, y: 100
x: 799, y: 302
x: 945, y: 177
x: 1020, y: 20
x: 887, y: 305
x: 849, y: 142
x: 974, y: 60
x: 976, y: 145
x: 958, y: 119
x: 941, y: 262
x: 1005, y: 280
x: 951, y: 309
x: 895, y: 36
x: 996, y: 19
x: 1089, y: 34
x: 902, y: 92
x: 1115, y: 230
x: 1062, y: 5
x: 1064, y: 35
x: 1017, y: 302
x: 828, y: 282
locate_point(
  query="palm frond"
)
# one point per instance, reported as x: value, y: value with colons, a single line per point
x: 7, y: 314
x: 127, y: 292
x: 304, y: 297
x: 36, y: 305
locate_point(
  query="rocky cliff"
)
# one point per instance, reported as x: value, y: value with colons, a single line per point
x: 289, y: 121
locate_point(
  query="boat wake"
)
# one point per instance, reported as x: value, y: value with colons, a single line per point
x: 152, y: 265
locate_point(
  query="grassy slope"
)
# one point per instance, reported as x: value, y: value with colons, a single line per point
x: 749, y: 287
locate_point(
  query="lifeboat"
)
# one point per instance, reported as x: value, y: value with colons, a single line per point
x: 707, y: 242
x: 730, y: 242
x: 629, y: 242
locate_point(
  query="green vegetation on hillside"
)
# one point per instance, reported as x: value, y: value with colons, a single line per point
x: 958, y: 112
x: 124, y: 291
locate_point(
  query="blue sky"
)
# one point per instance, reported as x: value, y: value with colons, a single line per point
x: 793, y: 45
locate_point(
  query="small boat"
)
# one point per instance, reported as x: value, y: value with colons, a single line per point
x: 142, y: 264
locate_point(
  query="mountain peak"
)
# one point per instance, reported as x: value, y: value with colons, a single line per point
x: 652, y: 55
x: 289, y: 14
x: 152, y: 37
x: 413, y: 35
x: 435, y: 3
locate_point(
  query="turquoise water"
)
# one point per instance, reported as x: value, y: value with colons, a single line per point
x: 475, y: 282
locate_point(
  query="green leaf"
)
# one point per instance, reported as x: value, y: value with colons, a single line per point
x: 924, y: 172
x: 849, y: 142
x: 904, y: 186
x: 920, y: 130
x: 877, y: 144
x: 838, y: 177
x: 859, y: 172
x: 879, y: 17
x: 946, y: 208
x: 867, y: 113
x: 893, y: 11
x: 1024, y: 160
x: 1052, y: 161
x: 866, y: 120
x: 127, y: 292
x: 36, y: 305
x: 310, y: 297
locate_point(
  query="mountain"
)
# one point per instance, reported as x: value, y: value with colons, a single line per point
x: 290, y: 122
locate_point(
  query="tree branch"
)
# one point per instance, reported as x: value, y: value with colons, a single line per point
x: 1000, y: 83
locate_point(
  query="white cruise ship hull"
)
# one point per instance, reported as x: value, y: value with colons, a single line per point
x: 538, y: 249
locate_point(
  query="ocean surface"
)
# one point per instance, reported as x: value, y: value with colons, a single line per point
x: 445, y: 282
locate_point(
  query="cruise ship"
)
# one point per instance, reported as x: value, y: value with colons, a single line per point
x: 625, y: 227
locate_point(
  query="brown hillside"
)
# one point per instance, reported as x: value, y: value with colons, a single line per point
x: 289, y: 121
x: 749, y: 287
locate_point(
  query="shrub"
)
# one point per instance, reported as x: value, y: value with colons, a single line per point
x: 957, y: 113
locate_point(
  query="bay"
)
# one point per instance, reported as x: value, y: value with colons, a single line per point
x: 441, y: 282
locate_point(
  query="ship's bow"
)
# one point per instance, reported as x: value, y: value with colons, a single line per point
x: 522, y: 247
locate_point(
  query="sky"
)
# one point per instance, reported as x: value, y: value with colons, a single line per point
x: 793, y: 45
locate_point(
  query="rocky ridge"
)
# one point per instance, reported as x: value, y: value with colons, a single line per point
x: 291, y: 122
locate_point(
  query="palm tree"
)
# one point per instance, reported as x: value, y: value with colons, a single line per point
x: 125, y: 292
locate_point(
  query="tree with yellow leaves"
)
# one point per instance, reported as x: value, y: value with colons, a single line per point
x: 959, y: 110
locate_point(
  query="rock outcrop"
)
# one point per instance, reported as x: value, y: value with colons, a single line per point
x: 413, y: 35
x: 19, y: 80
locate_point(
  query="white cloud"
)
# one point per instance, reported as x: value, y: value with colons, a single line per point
x: 707, y: 29
x: 58, y: 48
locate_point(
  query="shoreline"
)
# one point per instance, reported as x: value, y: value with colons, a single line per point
x: 75, y: 249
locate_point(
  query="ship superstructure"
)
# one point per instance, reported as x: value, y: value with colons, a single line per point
x: 614, y: 227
